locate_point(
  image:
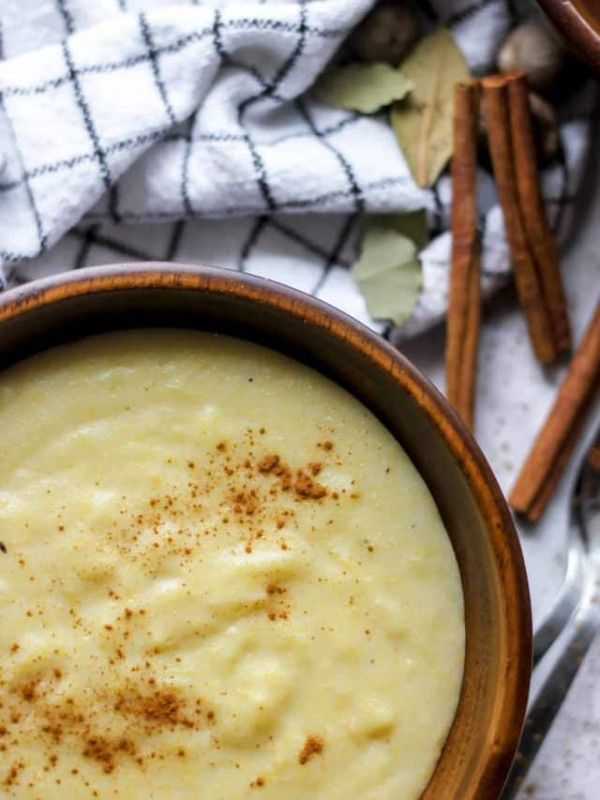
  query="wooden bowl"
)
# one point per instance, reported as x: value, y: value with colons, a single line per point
x: 486, y: 729
x: 579, y: 23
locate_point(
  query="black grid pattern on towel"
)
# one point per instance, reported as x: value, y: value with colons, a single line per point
x: 268, y: 89
x: 100, y: 152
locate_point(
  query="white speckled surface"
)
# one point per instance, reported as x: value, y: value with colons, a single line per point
x: 568, y: 764
x: 514, y: 396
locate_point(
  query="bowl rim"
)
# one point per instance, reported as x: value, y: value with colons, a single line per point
x: 572, y: 23
x: 461, y: 444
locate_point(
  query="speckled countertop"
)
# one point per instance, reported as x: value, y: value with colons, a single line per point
x: 514, y: 396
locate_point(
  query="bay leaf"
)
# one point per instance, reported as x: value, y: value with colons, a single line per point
x: 388, y: 273
x: 412, y: 224
x: 363, y: 87
x: 423, y: 122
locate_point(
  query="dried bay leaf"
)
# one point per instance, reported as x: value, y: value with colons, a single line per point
x: 412, y: 224
x: 423, y: 122
x: 363, y: 87
x: 388, y: 272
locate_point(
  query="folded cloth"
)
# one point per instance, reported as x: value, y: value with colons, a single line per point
x: 145, y: 129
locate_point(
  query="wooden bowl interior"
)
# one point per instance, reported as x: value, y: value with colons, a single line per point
x: 485, y: 732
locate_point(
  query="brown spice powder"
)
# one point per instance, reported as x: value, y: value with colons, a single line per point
x: 313, y: 746
x: 144, y: 705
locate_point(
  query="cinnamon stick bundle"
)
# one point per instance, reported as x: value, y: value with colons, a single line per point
x: 464, y: 301
x: 533, y: 208
x: 532, y: 246
x: 497, y: 115
x: 556, y: 440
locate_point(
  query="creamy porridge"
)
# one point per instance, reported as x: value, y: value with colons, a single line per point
x: 220, y: 578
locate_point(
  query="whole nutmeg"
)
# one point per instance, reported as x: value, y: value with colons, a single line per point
x: 386, y: 34
x: 534, y: 50
x: 545, y: 130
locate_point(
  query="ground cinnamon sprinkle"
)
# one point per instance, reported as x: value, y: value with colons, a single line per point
x: 148, y: 708
x: 271, y: 463
x: 105, y: 751
x: 277, y: 609
x: 313, y: 746
x: 305, y: 487
x: 13, y: 773
x: 259, y: 495
x: 245, y: 502
x: 302, y: 483
x: 155, y: 709
x: 28, y: 691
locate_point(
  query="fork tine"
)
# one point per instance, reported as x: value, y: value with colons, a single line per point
x: 568, y: 599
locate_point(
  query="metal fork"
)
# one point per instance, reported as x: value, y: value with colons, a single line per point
x: 576, y: 609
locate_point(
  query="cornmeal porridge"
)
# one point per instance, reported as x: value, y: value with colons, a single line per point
x: 221, y: 577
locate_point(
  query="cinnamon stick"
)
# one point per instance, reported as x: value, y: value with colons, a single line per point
x: 554, y: 444
x: 464, y: 301
x: 533, y: 209
x: 497, y: 115
x: 563, y: 457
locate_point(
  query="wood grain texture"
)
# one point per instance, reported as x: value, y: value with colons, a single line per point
x: 481, y: 744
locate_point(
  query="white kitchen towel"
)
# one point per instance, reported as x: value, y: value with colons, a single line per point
x: 147, y: 129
